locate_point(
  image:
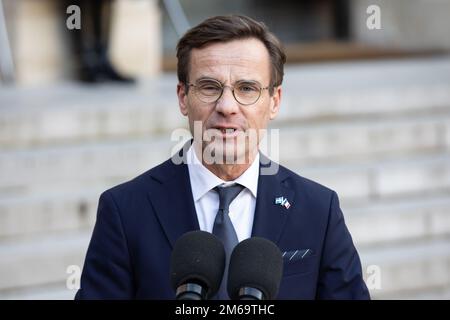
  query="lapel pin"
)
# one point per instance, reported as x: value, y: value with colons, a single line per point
x: 282, y: 201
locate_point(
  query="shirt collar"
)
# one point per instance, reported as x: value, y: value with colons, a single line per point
x: 204, y: 180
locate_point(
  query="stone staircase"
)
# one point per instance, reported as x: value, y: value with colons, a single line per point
x: 376, y: 132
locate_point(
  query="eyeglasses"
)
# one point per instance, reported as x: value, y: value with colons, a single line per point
x: 244, y: 92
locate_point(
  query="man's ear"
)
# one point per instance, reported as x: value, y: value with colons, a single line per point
x: 182, y: 98
x: 275, y: 102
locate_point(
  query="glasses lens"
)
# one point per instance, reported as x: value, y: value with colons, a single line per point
x: 208, y: 91
x: 247, y: 93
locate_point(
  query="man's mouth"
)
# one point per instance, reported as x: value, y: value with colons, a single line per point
x: 228, y: 130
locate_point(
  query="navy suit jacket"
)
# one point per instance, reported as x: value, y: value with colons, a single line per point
x: 139, y: 221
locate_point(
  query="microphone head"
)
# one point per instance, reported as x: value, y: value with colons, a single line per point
x: 255, y: 263
x: 198, y: 257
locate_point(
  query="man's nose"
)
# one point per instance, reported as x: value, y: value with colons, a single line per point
x: 227, y: 104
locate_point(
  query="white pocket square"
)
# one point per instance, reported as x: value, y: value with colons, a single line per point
x: 294, y: 255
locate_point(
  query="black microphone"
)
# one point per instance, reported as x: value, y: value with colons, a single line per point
x: 255, y: 271
x: 197, y: 265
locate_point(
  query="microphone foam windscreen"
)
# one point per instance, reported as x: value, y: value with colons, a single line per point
x: 198, y: 257
x: 256, y: 263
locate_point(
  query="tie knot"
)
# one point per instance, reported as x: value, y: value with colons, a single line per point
x: 227, y: 195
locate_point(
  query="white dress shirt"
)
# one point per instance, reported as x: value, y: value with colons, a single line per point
x: 206, y: 200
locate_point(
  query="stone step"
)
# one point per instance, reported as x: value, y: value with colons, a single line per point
x: 387, y: 186
x: 73, y: 113
x: 344, y: 142
x: 44, y: 292
x: 340, y: 141
x: 405, y: 268
x: 59, y: 167
x: 69, y: 113
x: 54, y: 212
x: 40, y: 260
x: 409, y: 217
x: 400, y: 220
x: 432, y: 293
x: 382, y: 179
x: 55, y: 292
x: 413, y: 267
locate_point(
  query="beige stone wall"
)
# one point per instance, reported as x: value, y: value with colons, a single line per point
x: 406, y: 24
x: 136, y: 43
x: 38, y: 47
x: 39, y: 39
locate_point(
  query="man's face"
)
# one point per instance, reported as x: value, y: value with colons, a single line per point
x: 230, y: 63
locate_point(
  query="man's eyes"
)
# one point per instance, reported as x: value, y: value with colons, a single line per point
x: 210, y: 86
x: 246, y: 88
x: 242, y: 87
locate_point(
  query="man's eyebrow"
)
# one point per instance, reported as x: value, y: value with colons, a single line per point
x: 247, y: 81
x: 205, y: 78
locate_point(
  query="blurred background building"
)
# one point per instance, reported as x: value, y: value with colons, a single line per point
x: 365, y: 112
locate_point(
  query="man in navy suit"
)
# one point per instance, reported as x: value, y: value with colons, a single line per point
x: 230, y: 70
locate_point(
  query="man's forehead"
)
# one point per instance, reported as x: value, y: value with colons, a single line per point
x: 246, y: 57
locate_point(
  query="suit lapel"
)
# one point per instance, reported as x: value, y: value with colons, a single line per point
x: 270, y: 218
x: 172, y: 199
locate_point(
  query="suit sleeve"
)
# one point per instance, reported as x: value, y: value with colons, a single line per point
x: 107, y: 269
x: 340, y: 271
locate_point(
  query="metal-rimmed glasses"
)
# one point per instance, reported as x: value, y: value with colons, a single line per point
x: 244, y: 92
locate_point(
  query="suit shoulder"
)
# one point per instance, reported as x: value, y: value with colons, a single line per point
x: 306, y: 185
x: 316, y: 199
x: 142, y: 183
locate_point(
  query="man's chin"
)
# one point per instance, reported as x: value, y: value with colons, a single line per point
x: 227, y: 152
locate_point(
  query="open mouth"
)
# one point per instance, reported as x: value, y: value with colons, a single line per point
x: 228, y: 130
x: 225, y: 131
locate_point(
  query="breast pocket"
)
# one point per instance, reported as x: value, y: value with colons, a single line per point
x: 298, y: 262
